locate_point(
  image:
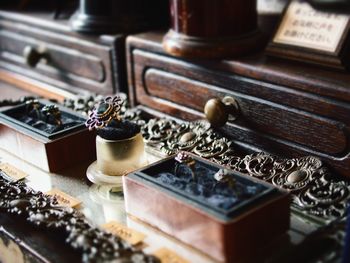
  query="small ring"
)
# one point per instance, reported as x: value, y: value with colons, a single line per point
x: 105, y: 112
x: 51, y: 114
x: 184, y: 159
x: 33, y: 108
x: 223, y: 176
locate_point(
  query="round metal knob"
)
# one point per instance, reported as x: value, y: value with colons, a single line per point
x: 218, y: 111
x: 32, y: 56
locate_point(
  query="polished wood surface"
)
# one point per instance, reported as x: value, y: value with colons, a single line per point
x: 51, y: 155
x: 10, y: 92
x: 210, y: 29
x: 15, y: 86
x: 32, y: 246
x: 209, y: 19
x: 286, y: 108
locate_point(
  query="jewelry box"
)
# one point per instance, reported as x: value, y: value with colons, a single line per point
x: 30, y: 132
x: 221, y: 213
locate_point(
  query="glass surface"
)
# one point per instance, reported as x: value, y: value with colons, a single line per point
x: 102, y: 204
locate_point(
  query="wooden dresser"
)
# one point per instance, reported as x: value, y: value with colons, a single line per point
x: 285, y: 108
x: 288, y: 110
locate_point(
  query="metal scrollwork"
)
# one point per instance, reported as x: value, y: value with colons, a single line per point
x: 324, y: 197
x: 212, y: 147
x: 157, y: 132
x: 314, y: 193
x: 43, y: 211
x: 295, y: 174
x: 260, y: 165
x: 185, y: 137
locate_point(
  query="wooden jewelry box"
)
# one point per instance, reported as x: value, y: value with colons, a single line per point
x: 228, y: 232
x: 50, y: 151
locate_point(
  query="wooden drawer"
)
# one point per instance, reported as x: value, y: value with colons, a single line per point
x: 255, y: 113
x: 74, y: 62
x: 273, y: 118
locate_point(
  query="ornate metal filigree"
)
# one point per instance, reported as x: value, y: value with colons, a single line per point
x: 314, y: 192
x: 170, y: 137
x: 43, y: 211
x: 324, y: 197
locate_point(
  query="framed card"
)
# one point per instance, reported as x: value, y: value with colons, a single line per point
x: 312, y: 36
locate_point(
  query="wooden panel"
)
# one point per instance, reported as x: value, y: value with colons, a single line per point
x: 272, y: 110
x: 63, y: 59
x: 49, y: 155
x: 76, y: 62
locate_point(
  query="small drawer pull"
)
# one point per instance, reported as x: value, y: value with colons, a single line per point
x: 218, y: 111
x: 33, y: 56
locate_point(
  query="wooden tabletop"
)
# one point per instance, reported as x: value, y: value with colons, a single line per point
x: 11, y: 92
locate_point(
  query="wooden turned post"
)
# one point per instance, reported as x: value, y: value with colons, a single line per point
x: 209, y: 29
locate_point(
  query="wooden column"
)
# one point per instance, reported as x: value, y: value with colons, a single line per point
x: 207, y: 28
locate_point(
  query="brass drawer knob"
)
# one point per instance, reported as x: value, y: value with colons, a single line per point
x: 33, y: 56
x: 218, y: 111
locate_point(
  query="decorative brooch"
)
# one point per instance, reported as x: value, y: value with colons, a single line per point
x: 105, y: 112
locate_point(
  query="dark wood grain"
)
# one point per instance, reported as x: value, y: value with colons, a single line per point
x: 299, y: 76
x: 287, y: 109
x: 50, y: 155
x: 220, y: 18
x: 256, y: 114
x: 211, y: 29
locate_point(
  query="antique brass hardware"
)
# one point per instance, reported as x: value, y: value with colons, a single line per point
x: 33, y: 56
x: 218, y: 111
